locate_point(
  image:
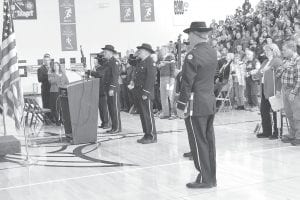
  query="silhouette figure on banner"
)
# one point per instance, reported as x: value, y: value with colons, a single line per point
x: 68, y: 13
x: 148, y: 12
x: 69, y: 42
x: 128, y: 13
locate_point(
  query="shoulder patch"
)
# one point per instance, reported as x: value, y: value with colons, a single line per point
x: 190, y: 57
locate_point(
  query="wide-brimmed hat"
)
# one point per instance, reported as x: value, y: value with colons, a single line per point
x: 146, y: 47
x: 197, y: 26
x: 109, y: 48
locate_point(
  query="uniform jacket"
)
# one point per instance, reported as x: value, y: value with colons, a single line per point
x: 198, y: 73
x: 43, y: 78
x: 111, y: 76
x: 144, y: 78
x: 99, y: 73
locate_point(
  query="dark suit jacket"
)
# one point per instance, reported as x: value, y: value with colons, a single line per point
x: 198, y: 73
x: 144, y: 78
x: 269, y: 77
x: 43, y: 78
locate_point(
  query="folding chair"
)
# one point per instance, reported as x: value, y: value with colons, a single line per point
x: 28, y: 110
x: 224, y: 97
x: 38, y: 113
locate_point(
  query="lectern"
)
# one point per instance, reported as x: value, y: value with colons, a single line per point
x: 79, y: 102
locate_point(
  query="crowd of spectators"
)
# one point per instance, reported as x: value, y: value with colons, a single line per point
x: 242, y: 42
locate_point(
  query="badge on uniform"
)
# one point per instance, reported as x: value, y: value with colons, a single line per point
x: 190, y: 57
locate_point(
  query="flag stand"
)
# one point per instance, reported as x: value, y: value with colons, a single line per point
x: 28, y: 160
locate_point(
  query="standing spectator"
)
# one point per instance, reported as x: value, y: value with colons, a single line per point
x: 252, y: 66
x: 42, y: 73
x: 57, y: 78
x: 167, y: 85
x: 268, y: 89
x: 124, y: 98
x: 290, y: 79
x: 238, y: 70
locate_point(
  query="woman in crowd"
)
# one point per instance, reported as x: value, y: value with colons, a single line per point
x: 252, y: 66
x: 238, y: 78
x: 268, y: 89
x: 57, y: 78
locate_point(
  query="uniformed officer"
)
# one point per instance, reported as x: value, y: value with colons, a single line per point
x: 144, y: 80
x: 99, y: 73
x: 111, y: 87
x: 197, y: 105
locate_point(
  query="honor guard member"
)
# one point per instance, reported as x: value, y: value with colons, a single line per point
x: 99, y: 73
x: 144, y: 81
x: 111, y: 86
x: 42, y: 73
x: 197, y: 104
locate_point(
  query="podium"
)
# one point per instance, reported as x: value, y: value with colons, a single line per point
x: 79, y: 102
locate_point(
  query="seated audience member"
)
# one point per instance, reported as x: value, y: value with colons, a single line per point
x: 238, y: 72
x: 268, y: 89
x: 224, y: 74
x: 290, y: 80
x: 252, y: 66
x: 57, y: 78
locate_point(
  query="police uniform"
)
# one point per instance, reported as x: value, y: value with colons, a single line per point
x: 111, y: 77
x: 197, y: 94
x: 144, y: 80
x: 103, y: 108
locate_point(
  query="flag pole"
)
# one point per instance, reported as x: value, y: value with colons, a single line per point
x: 4, y: 122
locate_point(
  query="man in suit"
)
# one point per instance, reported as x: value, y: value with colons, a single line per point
x: 144, y: 81
x: 99, y: 73
x: 196, y: 103
x: 111, y: 87
x: 43, y: 79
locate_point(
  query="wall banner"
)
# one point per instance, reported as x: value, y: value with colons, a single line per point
x: 23, y: 9
x: 67, y: 11
x: 147, y: 10
x: 67, y: 25
x: 126, y: 11
x: 68, y: 37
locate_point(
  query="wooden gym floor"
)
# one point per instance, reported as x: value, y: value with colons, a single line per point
x: 119, y: 168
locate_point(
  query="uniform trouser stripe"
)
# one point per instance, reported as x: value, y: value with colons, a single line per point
x: 118, y: 113
x: 196, y: 144
x: 150, y: 115
x: 202, y: 143
x: 114, y: 111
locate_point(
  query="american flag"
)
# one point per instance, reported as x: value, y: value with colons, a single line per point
x: 12, y: 95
